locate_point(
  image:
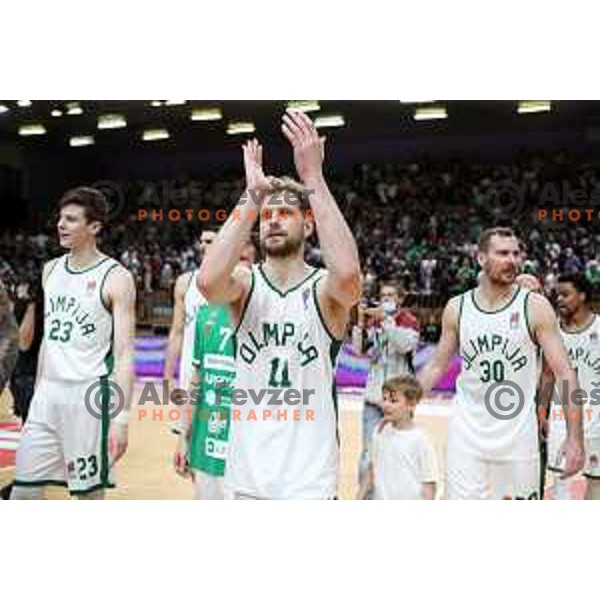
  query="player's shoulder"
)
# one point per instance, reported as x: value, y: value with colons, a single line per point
x: 118, y: 276
x: 184, y: 281
x: 51, y: 264
x: 454, y: 307
x: 538, y: 307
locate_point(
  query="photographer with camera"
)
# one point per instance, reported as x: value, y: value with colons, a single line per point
x: 388, y: 335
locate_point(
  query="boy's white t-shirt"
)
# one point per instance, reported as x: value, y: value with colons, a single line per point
x: 403, y: 459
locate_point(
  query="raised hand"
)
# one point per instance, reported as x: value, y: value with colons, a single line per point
x: 255, y: 176
x: 308, y: 146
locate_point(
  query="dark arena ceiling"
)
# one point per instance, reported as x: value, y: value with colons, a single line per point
x: 63, y: 120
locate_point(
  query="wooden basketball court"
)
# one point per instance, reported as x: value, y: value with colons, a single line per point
x: 146, y: 471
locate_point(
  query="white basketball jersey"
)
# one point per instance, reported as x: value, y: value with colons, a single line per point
x: 283, y: 344
x: 496, y: 346
x: 583, y: 348
x: 78, y: 328
x: 192, y: 301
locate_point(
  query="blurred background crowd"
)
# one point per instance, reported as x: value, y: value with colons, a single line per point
x: 414, y: 223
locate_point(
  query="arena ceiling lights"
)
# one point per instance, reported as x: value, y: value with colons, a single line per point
x: 56, y: 113
x: 24, y: 103
x: 111, y: 121
x: 175, y: 102
x: 533, y: 106
x: 81, y: 140
x: 3, y: 108
x: 153, y: 135
x: 206, y: 114
x: 429, y: 113
x: 73, y: 108
x: 329, y: 121
x: 303, y: 106
x: 239, y: 127
x: 32, y: 129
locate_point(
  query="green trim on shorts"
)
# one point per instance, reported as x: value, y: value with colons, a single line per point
x: 104, y: 433
x: 94, y: 488
x: 39, y: 483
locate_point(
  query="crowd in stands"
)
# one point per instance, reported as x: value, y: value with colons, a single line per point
x: 416, y: 223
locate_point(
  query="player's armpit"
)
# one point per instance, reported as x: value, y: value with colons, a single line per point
x: 334, y: 314
x: 344, y: 287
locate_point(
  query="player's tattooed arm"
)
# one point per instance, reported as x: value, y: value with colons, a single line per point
x: 9, y: 338
x: 177, y: 327
x: 545, y: 330
x: 120, y: 292
x: 221, y: 279
x: 544, y: 396
x: 446, y: 348
x: 343, y: 282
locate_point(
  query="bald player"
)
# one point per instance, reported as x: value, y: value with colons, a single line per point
x: 497, y: 328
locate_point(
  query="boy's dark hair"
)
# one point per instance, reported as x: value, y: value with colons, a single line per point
x: 93, y: 201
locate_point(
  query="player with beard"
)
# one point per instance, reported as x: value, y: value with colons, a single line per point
x: 290, y: 321
x: 498, y: 328
x: 580, y: 330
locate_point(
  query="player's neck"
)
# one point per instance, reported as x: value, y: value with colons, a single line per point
x: 493, y: 296
x: 579, y: 320
x: 286, y: 272
x: 86, y: 256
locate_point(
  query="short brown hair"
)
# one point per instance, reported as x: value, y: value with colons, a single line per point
x: 288, y: 184
x: 487, y: 234
x: 93, y: 201
x: 407, y: 385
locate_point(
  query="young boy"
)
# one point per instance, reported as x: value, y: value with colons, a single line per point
x: 402, y: 462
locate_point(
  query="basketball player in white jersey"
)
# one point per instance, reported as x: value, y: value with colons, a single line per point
x: 187, y: 300
x: 497, y: 328
x: 89, y: 301
x: 291, y: 319
x: 580, y: 330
